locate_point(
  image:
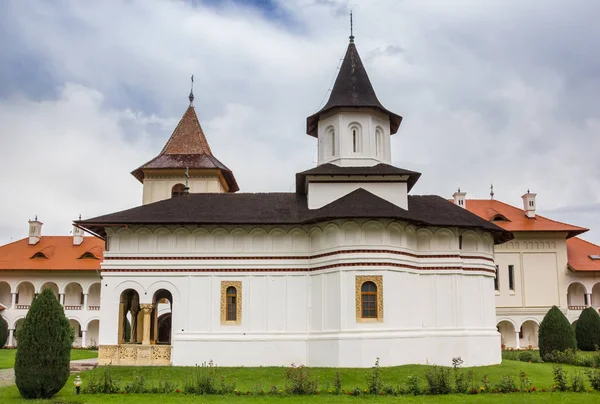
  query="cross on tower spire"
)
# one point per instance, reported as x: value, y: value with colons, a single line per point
x: 191, y: 96
x: 351, y: 29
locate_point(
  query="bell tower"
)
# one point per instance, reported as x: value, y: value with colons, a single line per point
x: 353, y: 128
x: 185, y: 165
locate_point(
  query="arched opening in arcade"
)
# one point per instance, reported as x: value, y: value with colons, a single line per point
x: 162, y: 309
x: 507, y: 334
x: 528, y: 334
x: 576, y: 296
x: 130, y: 316
x: 595, y: 303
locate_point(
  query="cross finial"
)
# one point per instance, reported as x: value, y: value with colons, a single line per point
x: 80, y: 216
x: 36, y: 218
x: 459, y: 190
x: 492, y: 191
x: 351, y: 29
x: 527, y: 190
x: 191, y: 96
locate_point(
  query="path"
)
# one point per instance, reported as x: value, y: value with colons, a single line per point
x: 7, y: 376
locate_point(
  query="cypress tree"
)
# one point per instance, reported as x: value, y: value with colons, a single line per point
x: 3, y: 332
x: 588, y: 330
x: 44, y: 348
x: 555, y: 333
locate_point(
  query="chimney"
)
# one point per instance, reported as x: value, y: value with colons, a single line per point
x: 35, y: 231
x: 460, y: 199
x: 529, y: 204
x: 77, y: 235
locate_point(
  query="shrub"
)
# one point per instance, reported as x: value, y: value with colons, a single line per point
x: 506, y: 385
x: 587, y: 331
x: 414, y: 385
x: 44, y: 350
x: 103, y: 384
x: 203, y: 380
x: 555, y: 333
x: 299, y: 380
x: 3, y: 332
x: 137, y: 385
x: 594, y: 378
x: 337, y: 383
x: 560, y: 378
x: 577, y: 382
x: 438, y: 380
x: 375, y: 384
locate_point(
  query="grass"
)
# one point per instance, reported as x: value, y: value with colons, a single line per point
x: 254, y: 379
x: 7, y: 356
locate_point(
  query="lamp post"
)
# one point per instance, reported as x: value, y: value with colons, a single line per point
x: 77, y: 384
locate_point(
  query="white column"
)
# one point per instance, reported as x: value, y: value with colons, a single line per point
x: 61, y: 298
x: 14, y: 301
x: 85, y: 298
x: 589, y: 300
x: 83, y: 337
x: 518, y: 343
x: 10, y: 338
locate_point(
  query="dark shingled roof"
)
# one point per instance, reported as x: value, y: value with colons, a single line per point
x: 352, y: 89
x: 380, y: 169
x: 188, y: 148
x: 290, y: 209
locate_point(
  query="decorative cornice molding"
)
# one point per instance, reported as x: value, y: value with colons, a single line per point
x: 305, y: 257
x: 291, y: 269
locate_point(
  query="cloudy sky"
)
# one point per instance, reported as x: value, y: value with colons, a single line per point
x: 496, y: 91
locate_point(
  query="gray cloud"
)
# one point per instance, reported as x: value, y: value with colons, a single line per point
x: 495, y: 91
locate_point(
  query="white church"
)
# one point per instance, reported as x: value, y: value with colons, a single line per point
x: 348, y: 268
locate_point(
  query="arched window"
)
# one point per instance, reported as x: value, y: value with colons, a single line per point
x: 332, y: 140
x: 355, y: 137
x: 354, y: 141
x: 231, y: 304
x: 368, y: 300
x: 177, y: 190
x: 379, y: 142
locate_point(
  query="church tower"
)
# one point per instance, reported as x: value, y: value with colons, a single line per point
x: 353, y: 128
x: 185, y: 165
x: 353, y: 131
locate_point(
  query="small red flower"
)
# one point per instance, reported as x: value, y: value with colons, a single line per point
x: 177, y: 391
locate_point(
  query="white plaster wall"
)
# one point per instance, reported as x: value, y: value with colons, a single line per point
x: 366, y: 123
x: 158, y: 188
x: 307, y: 314
x: 321, y: 194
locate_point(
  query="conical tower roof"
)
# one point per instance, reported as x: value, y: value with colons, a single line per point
x: 187, y: 148
x: 352, y: 89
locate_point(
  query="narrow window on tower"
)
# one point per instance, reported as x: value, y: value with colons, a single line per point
x: 332, y: 143
x: 354, y: 141
x: 511, y: 277
x: 496, y: 280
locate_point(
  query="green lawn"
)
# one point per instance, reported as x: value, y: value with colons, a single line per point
x: 254, y: 379
x: 7, y: 356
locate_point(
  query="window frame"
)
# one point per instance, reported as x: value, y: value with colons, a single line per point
x: 174, y: 193
x: 511, y: 278
x: 377, y: 280
x: 225, y: 285
x: 496, y: 279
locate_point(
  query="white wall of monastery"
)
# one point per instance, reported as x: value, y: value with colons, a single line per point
x: 323, y: 193
x: 18, y: 288
x: 299, y: 293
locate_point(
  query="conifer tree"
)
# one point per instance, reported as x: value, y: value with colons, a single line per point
x: 555, y: 333
x: 588, y: 330
x: 3, y: 332
x: 44, y: 348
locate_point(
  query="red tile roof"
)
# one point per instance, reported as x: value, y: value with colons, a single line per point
x: 516, y: 219
x: 188, y: 148
x: 579, y: 251
x: 60, y: 253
